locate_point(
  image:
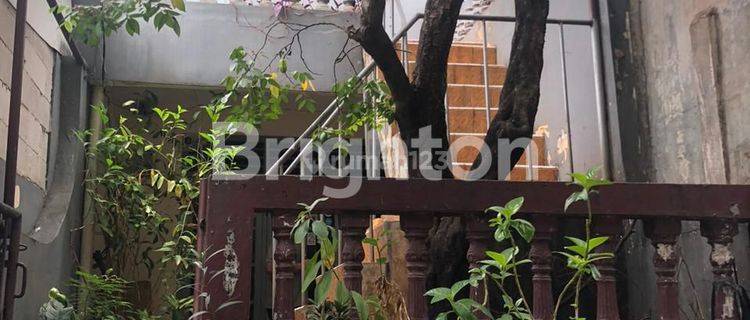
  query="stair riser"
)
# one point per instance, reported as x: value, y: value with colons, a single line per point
x: 468, y: 154
x: 468, y: 120
x: 471, y: 73
x: 460, y: 53
x: 471, y: 96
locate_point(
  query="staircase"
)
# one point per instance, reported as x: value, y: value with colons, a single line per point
x: 466, y: 107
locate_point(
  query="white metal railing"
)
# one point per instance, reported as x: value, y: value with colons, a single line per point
x: 332, y: 110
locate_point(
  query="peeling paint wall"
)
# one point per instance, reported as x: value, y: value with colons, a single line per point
x: 665, y: 61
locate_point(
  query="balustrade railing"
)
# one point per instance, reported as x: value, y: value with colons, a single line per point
x: 227, y: 206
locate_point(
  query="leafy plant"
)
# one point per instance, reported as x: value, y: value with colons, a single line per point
x: 496, y: 270
x: 91, y: 24
x: 580, y: 254
x: 146, y: 160
x: 502, y: 267
x: 321, y: 266
x: 255, y: 96
x: 102, y: 297
x: 373, y: 111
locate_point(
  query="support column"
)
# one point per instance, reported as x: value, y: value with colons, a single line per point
x: 353, y: 227
x: 480, y: 236
x: 663, y: 234
x: 226, y: 235
x: 719, y: 234
x: 284, y: 252
x: 416, y: 226
x: 541, y: 266
x: 606, y: 287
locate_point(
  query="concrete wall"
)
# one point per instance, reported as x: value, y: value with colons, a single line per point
x: 200, y: 56
x: 50, y: 160
x: 37, y: 97
x: 688, y: 122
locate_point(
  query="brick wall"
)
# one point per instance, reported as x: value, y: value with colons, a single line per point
x: 36, y: 99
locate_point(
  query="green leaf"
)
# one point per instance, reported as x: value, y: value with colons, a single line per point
x: 301, y: 232
x: 501, y: 234
x: 275, y: 91
x: 576, y: 241
x: 499, y: 258
x: 342, y: 294
x: 581, y: 251
x: 524, y: 228
x: 463, y: 309
x: 438, y: 294
x: 133, y: 28
x: 575, y: 197
x: 594, y: 272
x: 179, y: 4
x: 321, y: 290
x: 514, y: 205
x: 457, y: 287
x: 320, y: 229
x: 311, y: 271
x: 361, y: 305
x: 595, y: 242
x: 371, y: 241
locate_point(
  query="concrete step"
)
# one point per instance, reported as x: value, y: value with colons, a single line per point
x: 472, y: 95
x: 468, y: 154
x: 519, y: 172
x: 471, y: 73
x: 460, y: 53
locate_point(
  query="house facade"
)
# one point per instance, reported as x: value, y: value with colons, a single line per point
x: 664, y: 102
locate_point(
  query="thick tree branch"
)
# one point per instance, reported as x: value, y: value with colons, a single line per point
x: 519, y: 98
x: 436, y: 38
x: 373, y: 38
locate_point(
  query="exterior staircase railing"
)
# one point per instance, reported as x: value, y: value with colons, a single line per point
x: 304, y: 142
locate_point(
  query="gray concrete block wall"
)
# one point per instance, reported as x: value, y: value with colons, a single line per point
x: 36, y: 98
x: 50, y: 264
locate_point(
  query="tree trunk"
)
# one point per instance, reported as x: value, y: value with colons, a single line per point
x: 420, y: 103
x: 519, y: 98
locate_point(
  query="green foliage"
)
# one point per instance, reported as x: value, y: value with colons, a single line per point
x: 102, y: 297
x: 255, y: 96
x: 90, y: 24
x: 587, y: 182
x: 144, y: 161
x: 580, y: 254
x: 346, y: 303
x: 501, y: 267
x: 374, y: 110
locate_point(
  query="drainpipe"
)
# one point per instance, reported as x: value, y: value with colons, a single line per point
x: 11, y: 157
x: 87, y: 237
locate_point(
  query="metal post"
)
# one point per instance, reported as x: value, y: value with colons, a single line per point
x: 565, y: 94
x: 486, y: 75
x: 600, y: 108
x: 11, y: 157
x: 405, y: 53
x: 393, y: 17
